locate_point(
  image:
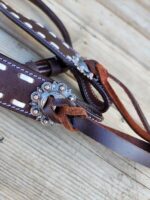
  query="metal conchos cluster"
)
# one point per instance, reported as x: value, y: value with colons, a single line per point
x: 39, y: 98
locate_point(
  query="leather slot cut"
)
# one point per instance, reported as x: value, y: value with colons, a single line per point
x: 3, y: 67
x: 1, y: 95
x: 18, y: 103
x: 26, y: 78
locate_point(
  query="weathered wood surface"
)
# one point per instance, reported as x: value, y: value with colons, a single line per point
x: 46, y: 163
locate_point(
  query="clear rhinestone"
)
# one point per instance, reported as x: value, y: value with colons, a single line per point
x: 35, y: 111
x: 62, y: 88
x: 72, y: 98
x: 46, y: 86
x: 90, y: 76
x: 45, y: 121
x: 35, y: 96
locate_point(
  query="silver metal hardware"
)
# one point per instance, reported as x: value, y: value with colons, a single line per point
x: 39, y: 98
x: 82, y: 67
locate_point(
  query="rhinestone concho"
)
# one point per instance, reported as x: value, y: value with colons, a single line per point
x: 39, y: 98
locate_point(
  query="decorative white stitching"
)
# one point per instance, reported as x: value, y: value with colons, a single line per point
x: 31, y: 74
x: 93, y: 119
x: 66, y: 45
x: 17, y: 103
x: 15, y: 15
x: 14, y: 107
x: 53, y: 34
x: 3, y: 5
x: 1, y: 95
x: 3, y: 67
x: 41, y: 35
x: 44, y: 37
x: 40, y: 24
x: 27, y: 72
x: 26, y: 78
x: 28, y: 25
x: 54, y: 45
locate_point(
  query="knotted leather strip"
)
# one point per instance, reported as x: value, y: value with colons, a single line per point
x: 63, y: 112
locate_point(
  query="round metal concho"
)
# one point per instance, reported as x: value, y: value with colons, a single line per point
x: 39, y: 98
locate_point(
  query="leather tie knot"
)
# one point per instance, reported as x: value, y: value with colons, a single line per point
x: 61, y: 111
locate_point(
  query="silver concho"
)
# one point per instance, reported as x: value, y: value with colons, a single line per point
x: 82, y: 67
x: 39, y: 98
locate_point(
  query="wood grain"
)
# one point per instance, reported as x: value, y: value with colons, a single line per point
x: 50, y: 163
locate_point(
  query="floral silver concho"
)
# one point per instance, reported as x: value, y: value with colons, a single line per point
x: 39, y: 98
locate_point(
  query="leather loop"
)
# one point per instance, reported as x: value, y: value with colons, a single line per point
x: 104, y: 75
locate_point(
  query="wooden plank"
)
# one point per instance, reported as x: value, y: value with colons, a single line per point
x: 46, y: 163
x: 131, y: 12
x: 144, y: 3
x: 112, y: 27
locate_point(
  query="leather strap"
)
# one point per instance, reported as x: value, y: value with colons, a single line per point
x: 125, y: 145
x: 13, y: 86
x: 55, y: 19
x: 63, y: 51
x: 104, y: 75
x: 18, y: 82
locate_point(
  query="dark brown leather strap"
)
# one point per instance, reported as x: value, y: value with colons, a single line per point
x: 21, y: 88
x: 128, y: 146
x: 63, y: 51
x: 17, y: 83
x: 55, y: 19
x: 12, y: 86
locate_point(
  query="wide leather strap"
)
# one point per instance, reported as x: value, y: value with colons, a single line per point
x: 18, y: 82
x: 16, y: 89
x: 55, y: 19
x: 64, y: 52
x: 16, y: 85
x: 121, y: 143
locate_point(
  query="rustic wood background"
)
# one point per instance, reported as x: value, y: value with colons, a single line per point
x: 50, y: 163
